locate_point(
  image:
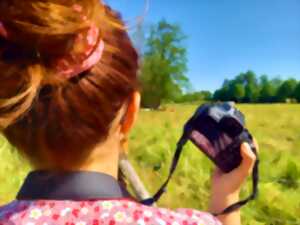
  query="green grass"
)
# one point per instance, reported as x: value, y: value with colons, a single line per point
x: 152, y: 144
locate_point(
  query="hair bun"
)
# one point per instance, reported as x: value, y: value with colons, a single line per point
x: 35, y: 33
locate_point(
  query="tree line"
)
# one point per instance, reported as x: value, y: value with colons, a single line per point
x: 164, y: 65
x: 249, y: 88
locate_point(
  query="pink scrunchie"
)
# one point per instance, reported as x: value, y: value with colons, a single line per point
x: 86, y: 53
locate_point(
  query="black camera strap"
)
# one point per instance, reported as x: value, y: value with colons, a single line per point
x: 235, y: 206
x: 183, y: 140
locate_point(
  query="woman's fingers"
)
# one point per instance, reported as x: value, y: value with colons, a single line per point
x: 230, y: 183
x: 248, y: 162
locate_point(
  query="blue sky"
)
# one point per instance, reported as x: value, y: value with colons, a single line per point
x: 226, y: 37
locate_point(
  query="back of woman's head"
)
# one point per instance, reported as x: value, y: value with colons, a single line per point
x: 50, y: 114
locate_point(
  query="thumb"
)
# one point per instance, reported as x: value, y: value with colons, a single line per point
x: 249, y: 159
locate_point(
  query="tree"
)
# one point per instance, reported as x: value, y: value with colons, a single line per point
x: 238, y: 92
x: 222, y: 94
x: 243, y: 88
x: 276, y: 82
x: 251, y: 93
x: 250, y: 78
x: 164, y: 65
x: 246, y: 87
x: 267, y: 93
x: 297, y: 92
x: 251, y: 87
x: 286, y: 90
x: 263, y: 80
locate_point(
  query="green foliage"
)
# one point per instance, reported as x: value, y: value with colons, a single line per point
x: 251, y: 93
x: 246, y: 88
x: 286, y: 90
x: 290, y: 176
x: 195, y: 97
x: 242, y: 88
x: 163, y: 65
x: 222, y: 94
x: 268, y: 89
x: 238, y: 92
x: 297, y: 92
x: 13, y: 169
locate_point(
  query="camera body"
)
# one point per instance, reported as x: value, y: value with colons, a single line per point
x: 218, y: 130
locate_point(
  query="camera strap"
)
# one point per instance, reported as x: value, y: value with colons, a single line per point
x: 183, y: 140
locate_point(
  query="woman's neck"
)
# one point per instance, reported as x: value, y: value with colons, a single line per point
x: 103, y: 159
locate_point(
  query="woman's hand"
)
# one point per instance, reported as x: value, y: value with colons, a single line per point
x: 226, y: 186
x: 231, y: 183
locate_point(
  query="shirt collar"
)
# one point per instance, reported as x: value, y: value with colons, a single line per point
x: 70, y: 186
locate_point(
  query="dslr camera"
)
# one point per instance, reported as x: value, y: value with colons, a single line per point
x: 218, y: 130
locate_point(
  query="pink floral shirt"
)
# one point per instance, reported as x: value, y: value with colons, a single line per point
x: 96, y: 212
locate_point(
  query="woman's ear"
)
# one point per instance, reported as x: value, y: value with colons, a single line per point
x: 131, y: 114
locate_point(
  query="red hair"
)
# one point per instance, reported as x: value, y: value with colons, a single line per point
x: 53, y: 120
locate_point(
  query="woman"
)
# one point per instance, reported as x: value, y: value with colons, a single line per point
x: 69, y: 97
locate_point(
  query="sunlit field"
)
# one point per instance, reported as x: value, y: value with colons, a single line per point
x: 152, y: 143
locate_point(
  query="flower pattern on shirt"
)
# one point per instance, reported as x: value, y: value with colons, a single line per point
x: 35, y: 213
x: 98, y: 212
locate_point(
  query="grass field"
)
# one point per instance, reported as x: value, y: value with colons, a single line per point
x: 152, y: 143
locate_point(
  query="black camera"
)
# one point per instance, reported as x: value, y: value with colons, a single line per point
x: 219, y: 130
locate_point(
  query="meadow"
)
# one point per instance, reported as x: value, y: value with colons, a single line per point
x: 152, y: 144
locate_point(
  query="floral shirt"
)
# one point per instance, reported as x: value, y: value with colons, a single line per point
x: 110, y: 212
x: 87, y: 198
